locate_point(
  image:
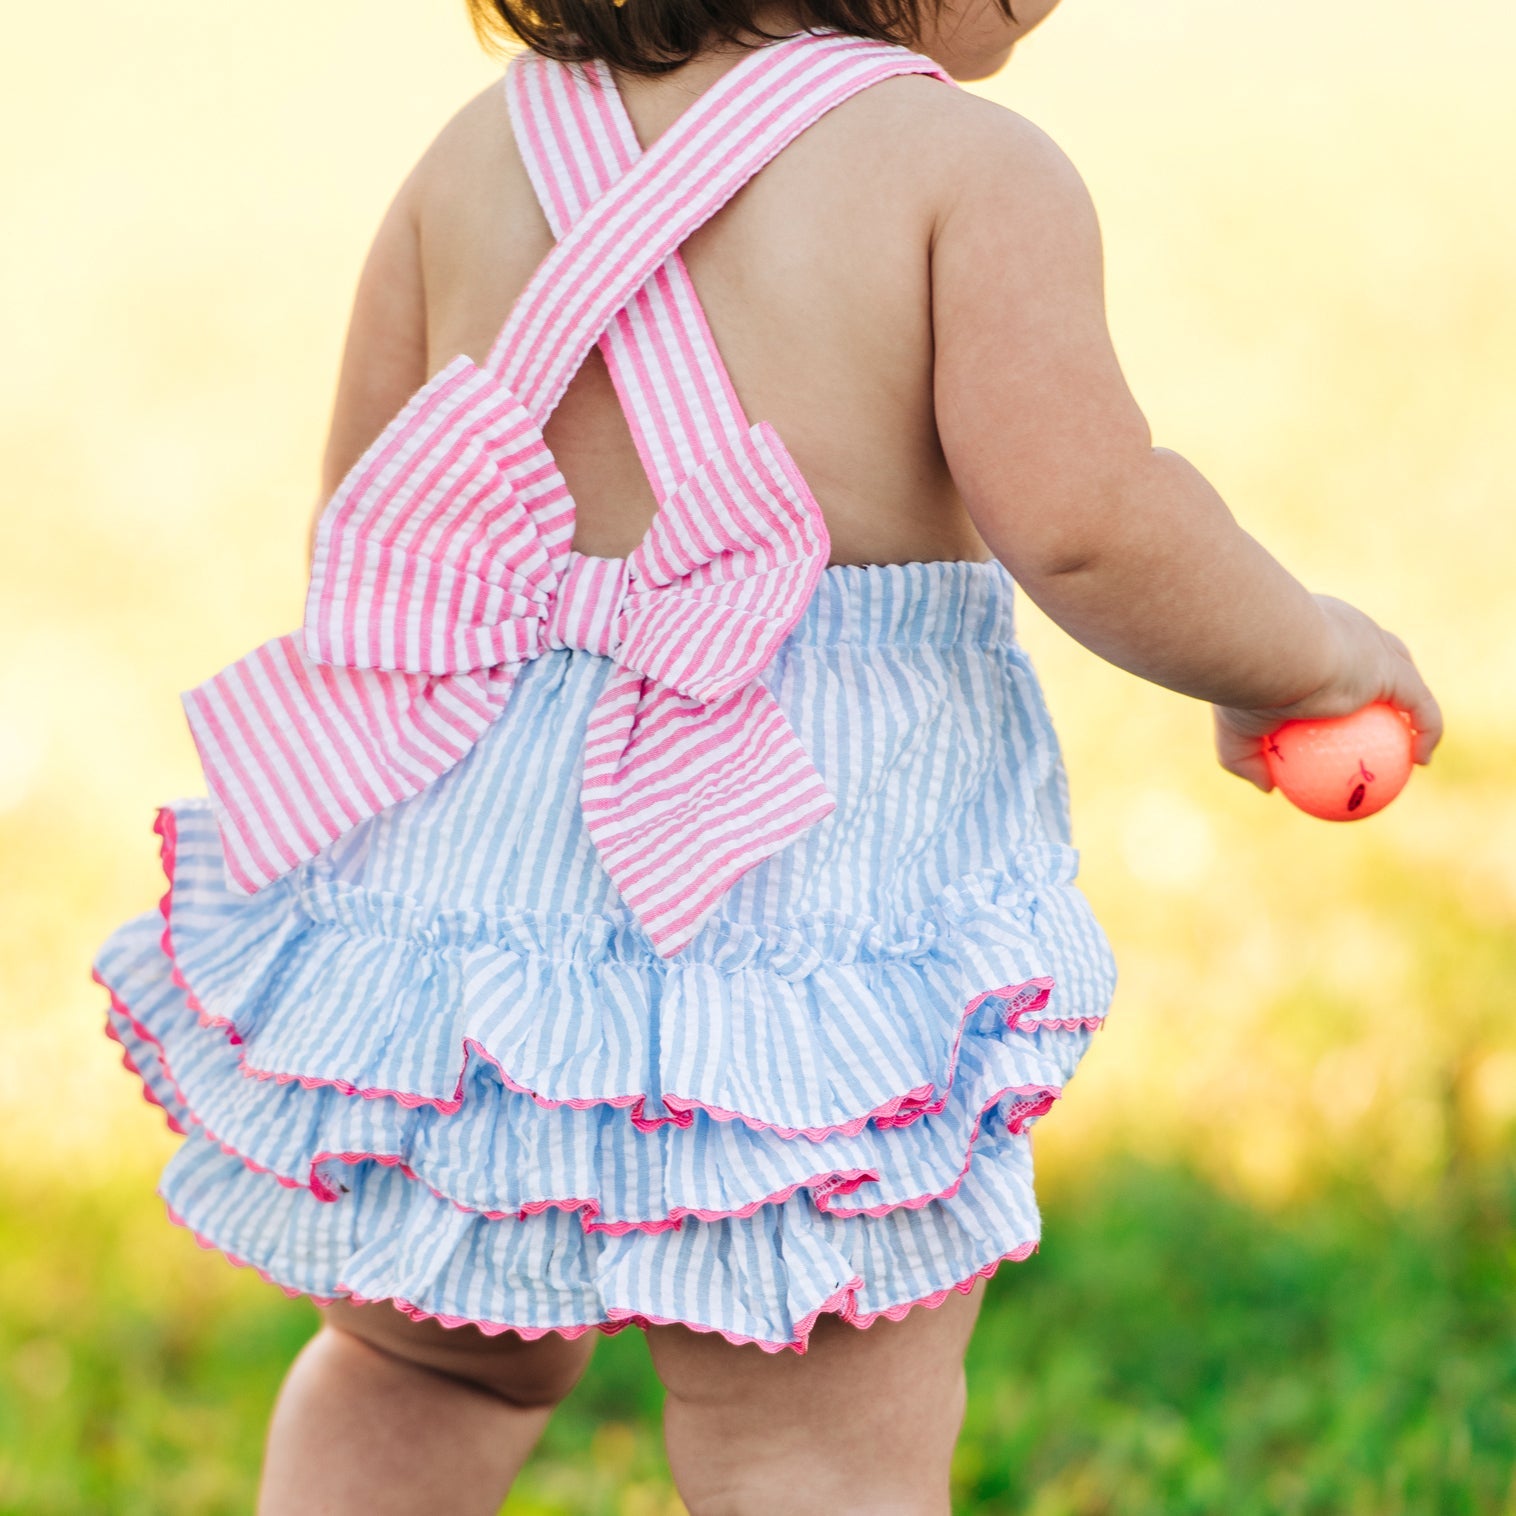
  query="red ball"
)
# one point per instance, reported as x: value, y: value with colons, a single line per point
x: 1342, y: 768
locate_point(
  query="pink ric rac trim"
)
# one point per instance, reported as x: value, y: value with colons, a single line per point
x: 1027, y: 998
x: 166, y: 825
x: 130, y: 1065
x: 843, y: 1303
x: 827, y: 1186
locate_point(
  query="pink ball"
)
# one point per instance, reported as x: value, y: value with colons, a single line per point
x: 1342, y: 768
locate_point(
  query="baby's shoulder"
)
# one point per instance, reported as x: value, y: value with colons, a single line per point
x: 937, y: 115
x: 976, y: 147
x: 472, y: 199
x: 953, y: 150
x: 474, y: 143
x: 945, y: 150
x: 951, y: 136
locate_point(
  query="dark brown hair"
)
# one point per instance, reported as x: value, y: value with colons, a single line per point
x: 654, y: 36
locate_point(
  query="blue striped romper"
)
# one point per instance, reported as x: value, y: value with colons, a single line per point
x: 459, y: 1051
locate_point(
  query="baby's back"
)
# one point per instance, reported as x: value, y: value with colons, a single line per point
x: 817, y: 283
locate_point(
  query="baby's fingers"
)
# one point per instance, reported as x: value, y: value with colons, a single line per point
x: 1426, y: 721
x: 1241, y: 753
x: 1411, y: 695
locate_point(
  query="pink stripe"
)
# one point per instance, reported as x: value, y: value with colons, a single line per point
x: 685, y: 179
x: 646, y: 864
x: 278, y: 740
x: 423, y: 472
x: 691, y: 141
x: 652, y: 446
x: 784, y: 120
x: 451, y: 547
x: 246, y: 863
x: 667, y: 914
x: 331, y: 599
x: 667, y: 767
x: 557, y: 197
x: 681, y: 382
x: 302, y: 713
x: 678, y: 919
x: 217, y: 702
x: 588, y: 149
x: 672, y: 735
x: 719, y: 392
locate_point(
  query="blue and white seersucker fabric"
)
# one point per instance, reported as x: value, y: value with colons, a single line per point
x: 441, y: 1063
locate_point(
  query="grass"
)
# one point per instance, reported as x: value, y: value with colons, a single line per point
x: 1172, y: 1350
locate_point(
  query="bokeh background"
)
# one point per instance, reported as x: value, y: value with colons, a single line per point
x: 1277, y: 1266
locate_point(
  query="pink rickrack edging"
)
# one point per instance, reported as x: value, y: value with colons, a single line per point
x: 843, y: 1303
x: 1026, y: 999
x: 166, y: 826
x: 130, y: 1065
x: 827, y: 1186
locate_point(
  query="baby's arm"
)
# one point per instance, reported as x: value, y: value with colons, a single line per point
x: 384, y: 361
x: 1125, y: 545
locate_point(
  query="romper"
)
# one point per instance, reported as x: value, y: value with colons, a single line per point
x: 569, y: 942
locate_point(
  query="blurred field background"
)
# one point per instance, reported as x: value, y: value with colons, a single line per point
x: 1276, y: 1273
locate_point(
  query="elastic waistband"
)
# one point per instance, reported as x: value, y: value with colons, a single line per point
x: 939, y: 600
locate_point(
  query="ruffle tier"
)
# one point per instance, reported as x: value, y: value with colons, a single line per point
x: 761, y: 1279
x: 531, y: 1124
x: 806, y: 1032
x: 504, y: 1156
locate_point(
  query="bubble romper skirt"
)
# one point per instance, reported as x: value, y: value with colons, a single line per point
x: 441, y: 1064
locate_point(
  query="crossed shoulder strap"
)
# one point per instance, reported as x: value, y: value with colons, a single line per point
x: 638, y: 221
x: 576, y: 139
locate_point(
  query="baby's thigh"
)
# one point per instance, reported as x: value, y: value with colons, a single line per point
x: 864, y: 1421
x: 525, y: 1374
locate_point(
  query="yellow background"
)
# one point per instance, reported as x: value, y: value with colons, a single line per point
x: 1310, y: 235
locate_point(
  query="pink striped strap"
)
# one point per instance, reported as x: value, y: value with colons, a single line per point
x: 576, y: 139
x: 752, y: 113
x: 444, y: 562
x: 758, y: 784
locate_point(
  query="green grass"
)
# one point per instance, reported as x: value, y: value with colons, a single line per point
x: 1170, y: 1351
x: 1180, y: 1353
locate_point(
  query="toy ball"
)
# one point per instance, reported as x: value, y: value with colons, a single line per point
x: 1342, y: 768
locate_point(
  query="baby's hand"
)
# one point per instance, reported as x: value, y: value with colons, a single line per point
x: 1371, y: 664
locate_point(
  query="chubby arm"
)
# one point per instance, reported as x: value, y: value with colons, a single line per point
x: 1124, y: 545
x: 384, y: 360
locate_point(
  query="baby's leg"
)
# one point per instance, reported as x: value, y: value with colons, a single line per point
x: 864, y: 1422
x: 380, y: 1414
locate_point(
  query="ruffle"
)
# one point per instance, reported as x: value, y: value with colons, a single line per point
x: 532, y: 1124
x: 763, y: 1279
x: 821, y: 1029
x: 502, y: 1155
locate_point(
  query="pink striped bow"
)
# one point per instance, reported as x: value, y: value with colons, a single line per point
x: 444, y: 561
x: 443, y: 564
